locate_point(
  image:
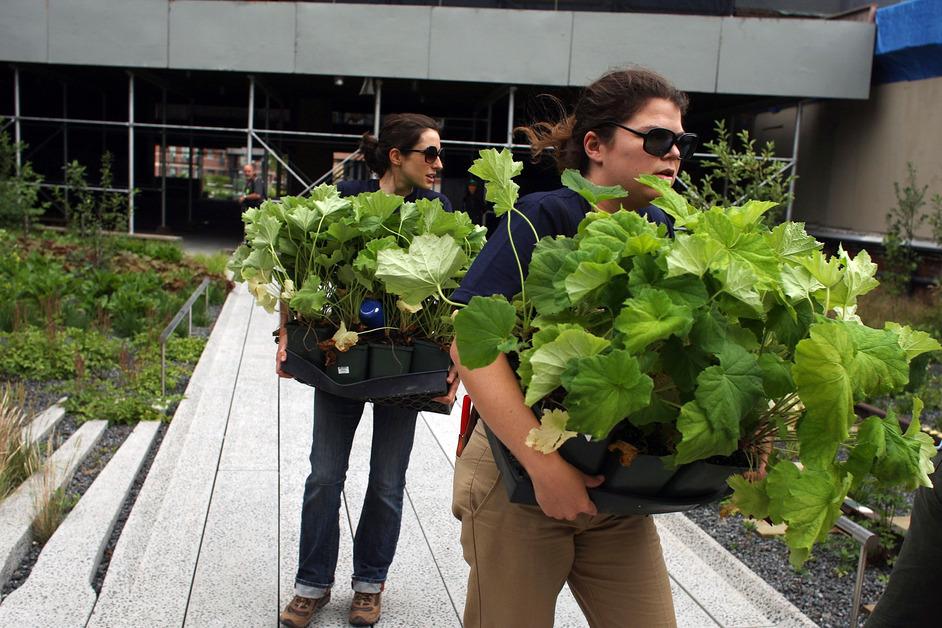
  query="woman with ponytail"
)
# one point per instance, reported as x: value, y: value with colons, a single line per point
x: 407, y: 158
x: 625, y: 124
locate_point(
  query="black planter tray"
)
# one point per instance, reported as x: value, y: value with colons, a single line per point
x: 410, y: 390
x: 520, y: 490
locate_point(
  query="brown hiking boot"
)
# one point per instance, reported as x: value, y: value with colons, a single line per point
x: 300, y: 610
x: 365, y: 608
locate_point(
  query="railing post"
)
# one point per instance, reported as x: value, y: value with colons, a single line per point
x: 17, y: 132
x: 791, y: 184
x: 130, y: 153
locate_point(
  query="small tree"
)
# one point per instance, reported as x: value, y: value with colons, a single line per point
x: 19, y: 190
x: 738, y: 173
x: 899, y: 258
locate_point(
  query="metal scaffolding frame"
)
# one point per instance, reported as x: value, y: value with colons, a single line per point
x: 254, y: 134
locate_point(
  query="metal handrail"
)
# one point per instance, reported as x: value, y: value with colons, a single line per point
x: 332, y: 171
x: 187, y: 309
x: 867, y: 540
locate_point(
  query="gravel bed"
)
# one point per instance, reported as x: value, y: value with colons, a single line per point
x: 40, y: 395
x: 818, y: 590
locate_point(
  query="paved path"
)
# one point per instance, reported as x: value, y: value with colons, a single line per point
x: 212, y: 539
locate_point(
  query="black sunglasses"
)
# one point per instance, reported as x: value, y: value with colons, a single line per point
x: 431, y: 154
x: 659, y: 141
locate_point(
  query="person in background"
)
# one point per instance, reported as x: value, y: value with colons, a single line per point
x: 253, y: 192
x: 407, y: 159
x: 625, y: 124
x: 472, y: 203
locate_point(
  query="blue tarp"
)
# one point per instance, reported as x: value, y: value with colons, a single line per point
x: 909, y: 41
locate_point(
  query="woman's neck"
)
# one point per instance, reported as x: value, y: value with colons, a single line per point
x: 391, y: 184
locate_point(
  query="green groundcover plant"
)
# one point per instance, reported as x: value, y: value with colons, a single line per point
x: 730, y: 336
x: 324, y: 254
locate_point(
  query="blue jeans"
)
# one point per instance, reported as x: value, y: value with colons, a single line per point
x: 374, y: 545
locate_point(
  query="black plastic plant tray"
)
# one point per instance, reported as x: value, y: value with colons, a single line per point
x: 520, y: 490
x: 410, y: 390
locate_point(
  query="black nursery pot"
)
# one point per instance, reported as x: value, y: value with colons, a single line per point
x: 587, y: 456
x: 351, y: 365
x: 303, y: 340
x: 387, y: 360
x: 645, y: 476
x: 701, y: 478
x: 428, y: 356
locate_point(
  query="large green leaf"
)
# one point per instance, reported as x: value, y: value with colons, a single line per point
x: 825, y: 386
x: 304, y: 218
x: 879, y: 365
x: 591, y: 192
x: 550, y: 360
x: 751, y: 498
x: 913, y: 342
x: 603, y: 390
x: 907, y: 456
x: 548, y: 258
x: 790, y: 240
x: 728, y: 391
x: 676, y: 206
x: 373, y: 209
x: 652, y: 316
x: 748, y: 216
x: 871, y: 444
x: 683, y: 289
x: 776, y: 377
x: 497, y: 171
x: 692, y: 254
x: 809, y: 501
x: 588, y: 277
x: 267, y: 234
x: 428, y: 266
x: 684, y: 362
x: 859, y: 278
x: 704, y: 436
x: 481, y: 328
x: 309, y: 301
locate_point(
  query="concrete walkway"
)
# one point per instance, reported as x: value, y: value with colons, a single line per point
x: 212, y: 539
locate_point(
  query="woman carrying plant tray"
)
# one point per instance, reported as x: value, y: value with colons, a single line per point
x: 407, y: 159
x: 625, y: 124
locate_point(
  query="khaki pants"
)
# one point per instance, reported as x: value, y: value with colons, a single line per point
x: 520, y: 558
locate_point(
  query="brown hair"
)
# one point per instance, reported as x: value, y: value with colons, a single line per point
x: 400, y: 130
x: 615, y: 96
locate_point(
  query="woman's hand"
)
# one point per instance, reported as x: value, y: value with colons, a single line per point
x: 453, y: 380
x: 282, y: 354
x: 561, y: 489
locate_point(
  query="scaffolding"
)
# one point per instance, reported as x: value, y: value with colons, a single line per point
x: 253, y: 135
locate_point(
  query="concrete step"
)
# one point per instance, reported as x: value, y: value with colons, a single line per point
x: 45, y: 422
x: 59, y: 590
x: 19, y: 509
x: 156, y: 556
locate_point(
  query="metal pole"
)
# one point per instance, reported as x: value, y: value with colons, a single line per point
x: 510, y: 116
x: 377, y: 101
x: 65, y: 125
x: 490, y: 115
x: 130, y: 153
x: 251, y: 127
x: 163, y: 159
x: 791, y: 185
x: 17, y: 133
x: 189, y: 185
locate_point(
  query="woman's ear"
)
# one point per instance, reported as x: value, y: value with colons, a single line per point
x: 593, y: 146
x: 395, y: 157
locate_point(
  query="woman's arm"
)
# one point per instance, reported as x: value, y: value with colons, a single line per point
x: 560, y: 488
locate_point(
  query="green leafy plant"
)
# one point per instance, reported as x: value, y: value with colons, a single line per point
x: 325, y: 254
x: 738, y: 173
x: 902, y: 221
x: 19, y: 186
x: 730, y: 337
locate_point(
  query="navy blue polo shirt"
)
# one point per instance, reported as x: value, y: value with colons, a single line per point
x: 352, y: 188
x: 559, y: 212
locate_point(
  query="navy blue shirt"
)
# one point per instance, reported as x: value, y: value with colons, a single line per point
x: 559, y: 212
x: 352, y: 188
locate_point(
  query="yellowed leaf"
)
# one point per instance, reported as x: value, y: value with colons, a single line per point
x: 344, y: 339
x: 552, y: 432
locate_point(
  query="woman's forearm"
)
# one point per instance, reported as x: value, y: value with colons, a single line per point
x: 497, y: 397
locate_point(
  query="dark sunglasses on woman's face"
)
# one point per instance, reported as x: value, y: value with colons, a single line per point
x: 659, y: 141
x: 431, y: 154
